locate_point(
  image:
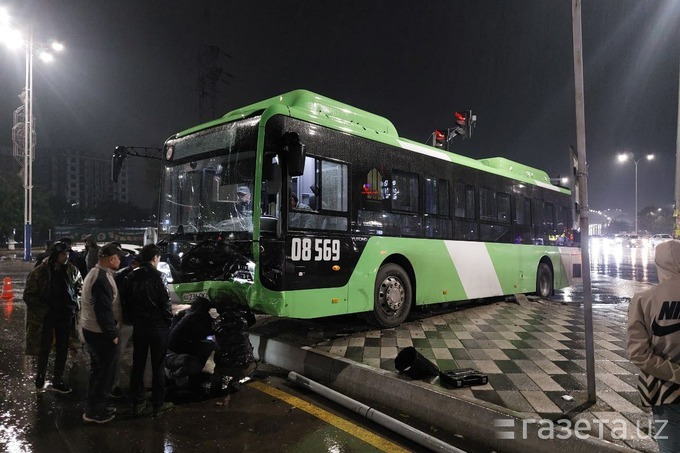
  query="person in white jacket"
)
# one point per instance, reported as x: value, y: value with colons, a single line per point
x: 654, y: 345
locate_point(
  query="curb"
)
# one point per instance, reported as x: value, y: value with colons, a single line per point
x: 473, y: 420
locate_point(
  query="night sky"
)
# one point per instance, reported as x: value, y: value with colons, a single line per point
x: 130, y: 74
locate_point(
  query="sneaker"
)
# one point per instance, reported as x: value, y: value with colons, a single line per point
x: 98, y: 418
x: 117, y: 394
x: 60, y: 386
x: 162, y: 408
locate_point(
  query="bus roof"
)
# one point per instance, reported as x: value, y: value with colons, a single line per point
x: 306, y: 105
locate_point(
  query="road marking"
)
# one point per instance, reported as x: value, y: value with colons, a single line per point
x: 345, y: 425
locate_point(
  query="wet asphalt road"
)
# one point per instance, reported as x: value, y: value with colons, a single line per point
x: 249, y: 420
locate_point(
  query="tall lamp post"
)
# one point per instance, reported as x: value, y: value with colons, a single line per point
x: 624, y: 157
x: 26, y: 154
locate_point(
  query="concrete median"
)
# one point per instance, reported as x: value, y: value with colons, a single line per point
x: 483, y: 423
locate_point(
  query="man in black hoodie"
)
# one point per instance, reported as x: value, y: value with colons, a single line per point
x: 151, y: 313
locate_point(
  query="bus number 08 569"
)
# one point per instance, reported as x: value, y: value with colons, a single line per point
x: 307, y: 249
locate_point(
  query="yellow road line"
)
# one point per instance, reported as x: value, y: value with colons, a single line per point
x: 345, y: 425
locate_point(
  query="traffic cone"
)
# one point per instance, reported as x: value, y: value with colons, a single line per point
x: 7, y: 291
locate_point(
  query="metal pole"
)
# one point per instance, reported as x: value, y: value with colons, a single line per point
x: 583, y: 197
x: 401, y: 428
x: 676, y: 230
x: 636, y: 197
x: 28, y: 148
x: 31, y: 148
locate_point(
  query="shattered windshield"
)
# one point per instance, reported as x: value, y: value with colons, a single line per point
x: 209, y: 186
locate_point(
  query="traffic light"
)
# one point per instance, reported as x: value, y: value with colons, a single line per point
x: 465, y: 121
x: 440, y: 138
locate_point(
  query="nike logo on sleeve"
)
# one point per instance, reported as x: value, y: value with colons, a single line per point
x: 662, y: 331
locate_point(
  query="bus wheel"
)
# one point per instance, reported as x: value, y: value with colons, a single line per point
x: 544, y: 281
x: 393, y: 296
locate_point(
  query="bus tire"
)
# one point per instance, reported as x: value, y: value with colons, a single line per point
x: 544, y: 281
x: 392, y: 296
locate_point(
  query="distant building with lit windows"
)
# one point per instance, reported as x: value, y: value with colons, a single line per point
x: 79, y: 177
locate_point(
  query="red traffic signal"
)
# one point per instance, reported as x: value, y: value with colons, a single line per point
x: 440, y: 137
x: 466, y: 123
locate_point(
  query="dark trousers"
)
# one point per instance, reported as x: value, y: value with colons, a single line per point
x: 59, y: 330
x: 103, y: 362
x: 155, y: 339
x: 189, y: 364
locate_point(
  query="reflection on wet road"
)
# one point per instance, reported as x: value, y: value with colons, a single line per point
x: 616, y: 274
x: 635, y: 264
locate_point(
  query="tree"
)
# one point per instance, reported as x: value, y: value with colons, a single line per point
x: 656, y: 220
x: 618, y: 226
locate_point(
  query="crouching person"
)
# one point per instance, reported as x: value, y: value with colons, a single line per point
x: 234, y: 353
x: 149, y: 304
x: 189, y: 345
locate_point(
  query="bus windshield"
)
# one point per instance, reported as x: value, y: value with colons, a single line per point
x: 209, y: 185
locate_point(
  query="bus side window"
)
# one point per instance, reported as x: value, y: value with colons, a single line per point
x: 503, y: 200
x: 405, y: 191
x: 437, y: 197
x: 522, y: 220
x: 464, y: 210
x: 487, y: 204
x: 549, y: 219
x: 334, y: 190
x: 322, y: 193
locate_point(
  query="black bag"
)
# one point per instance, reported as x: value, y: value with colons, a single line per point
x: 413, y: 364
x: 462, y: 377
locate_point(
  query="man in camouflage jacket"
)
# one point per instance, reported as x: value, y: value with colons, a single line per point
x: 52, y: 303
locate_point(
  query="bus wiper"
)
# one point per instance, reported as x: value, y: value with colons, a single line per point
x: 171, y: 236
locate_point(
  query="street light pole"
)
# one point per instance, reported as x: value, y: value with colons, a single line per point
x: 623, y: 157
x: 28, y: 149
x: 636, y: 198
x: 13, y: 39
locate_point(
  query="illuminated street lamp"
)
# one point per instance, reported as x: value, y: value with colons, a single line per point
x: 26, y: 154
x: 561, y: 181
x: 624, y: 157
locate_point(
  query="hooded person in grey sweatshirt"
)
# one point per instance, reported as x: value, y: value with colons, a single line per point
x: 654, y: 345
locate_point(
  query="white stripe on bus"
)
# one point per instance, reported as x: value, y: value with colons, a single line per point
x: 428, y: 151
x: 424, y: 150
x: 475, y: 269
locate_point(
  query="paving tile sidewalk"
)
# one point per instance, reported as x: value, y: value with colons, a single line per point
x: 533, y: 352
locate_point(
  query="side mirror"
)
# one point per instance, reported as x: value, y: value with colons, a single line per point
x: 119, y: 155
x: 295, y: 153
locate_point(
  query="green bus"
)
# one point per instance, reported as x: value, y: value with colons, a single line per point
x: 304, y: 207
